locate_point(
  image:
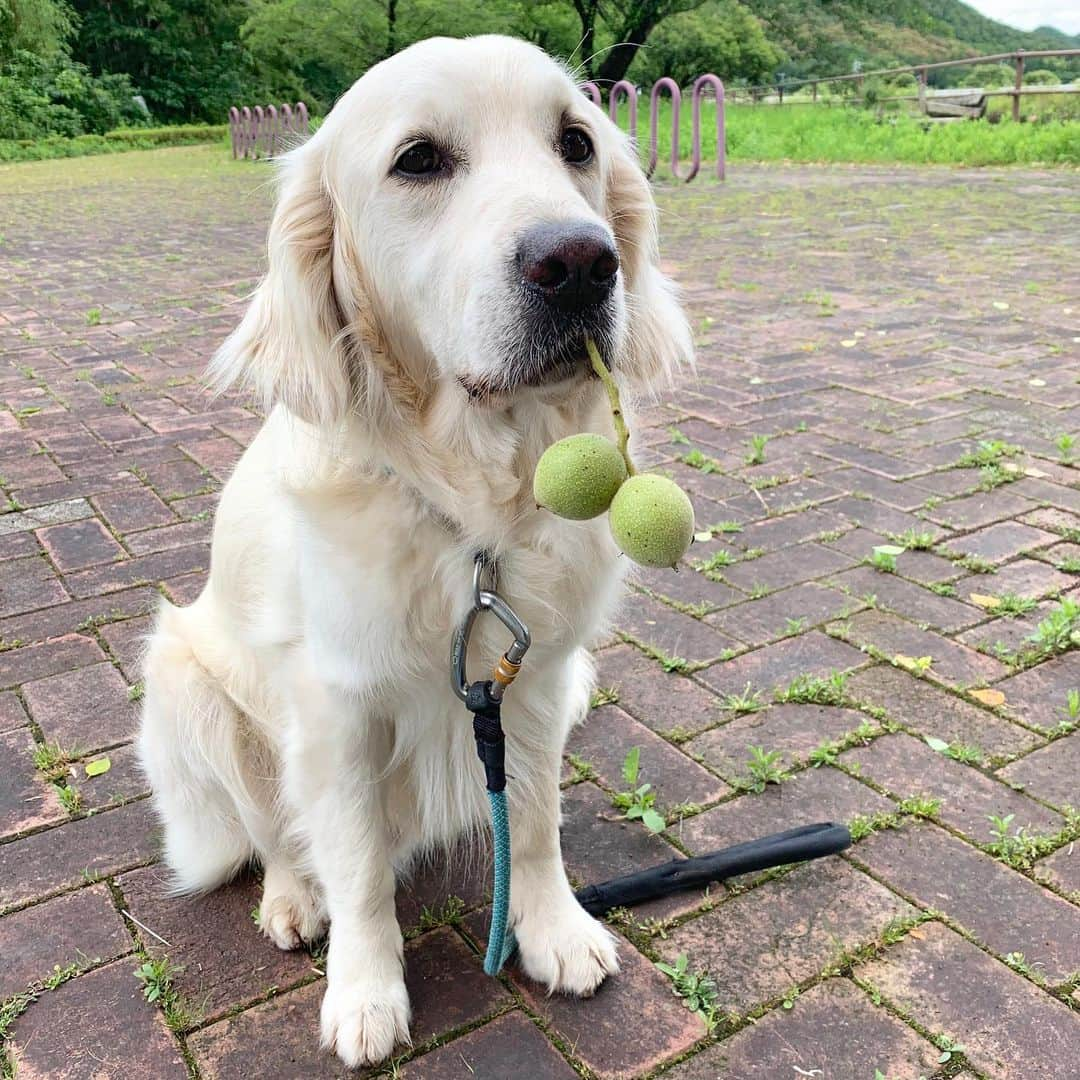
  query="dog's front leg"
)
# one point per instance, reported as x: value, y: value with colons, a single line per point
x: 332, y: 773
x: 559, y: 943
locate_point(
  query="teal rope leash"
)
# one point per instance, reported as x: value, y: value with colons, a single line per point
x: 484, y: 702
x: 501, y: 942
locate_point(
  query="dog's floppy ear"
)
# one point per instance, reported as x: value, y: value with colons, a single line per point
x: 291, y: 346
x: 659, y: 338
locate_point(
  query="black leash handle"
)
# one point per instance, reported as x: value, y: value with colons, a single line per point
x: 779, y: 849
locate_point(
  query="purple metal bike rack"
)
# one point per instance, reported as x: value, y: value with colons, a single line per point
x: 700, y: 83
x: 672, y: 87
x: 593, y: 91
x: 265, y: 132
x: 628, y: 90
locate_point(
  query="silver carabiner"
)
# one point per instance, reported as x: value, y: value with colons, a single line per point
x: 487, y: 600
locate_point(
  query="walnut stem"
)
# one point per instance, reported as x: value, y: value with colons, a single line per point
x: 605, y: 376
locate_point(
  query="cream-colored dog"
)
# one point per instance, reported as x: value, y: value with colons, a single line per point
x: 440, y: 248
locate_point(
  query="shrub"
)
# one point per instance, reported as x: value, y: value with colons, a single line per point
x: 55, y: 96
x: 112, y: 142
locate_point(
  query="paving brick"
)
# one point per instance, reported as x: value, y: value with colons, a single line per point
x: 893, y: 593
x: 176, y: 479
x: 609, y: 734
x: 123, y: 781
x: 170, y: 537
x: 462, y: 871
x: 36, y: 517
x: 689, y: 587
x: 26, y: 800
x: 12, y: 714
x: 1050, y: 774
x: 786, y: 530
x: 809, y: 797
x: 904, y: 496
x: 186, y: 589
x: 1039, y: 696
x: 61, y: 654
x: 1000, y: 542
x: 660, y: 700
x: 894, y: 636
x: 597, y: 1028
x: 759, y: 944
x: 1003, y: 909
x: 1042, y: 491
x: 673, y: 633
x: 66, y: 856
x: 280, y: 1039
x: 80, y: 544
x: 906, y: 766
x: 96, y: 1026
x: 832, y: 1030
x: 1008, y: 1026
x: 982, y: 508
x: 78, y: 928
x: 794, y: 730
x: 127, y: 641
x: 144, y: 568
x: 64, y: 618
x: 27, y: 584
x: 780, y: 614
x: 794, y: 493
x: 87, y: 709
x: 1062, y: 869
x: 777, y: 665
x: 920, y: 705
x: 780, y: 569
x: 139, y: 508
x: 877, y: 517
x: 1028, y: 578
x: 509, y: 1046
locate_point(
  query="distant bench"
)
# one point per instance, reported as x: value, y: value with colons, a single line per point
x: 954, y: 104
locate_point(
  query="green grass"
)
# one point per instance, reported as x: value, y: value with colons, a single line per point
x: 825, y: 133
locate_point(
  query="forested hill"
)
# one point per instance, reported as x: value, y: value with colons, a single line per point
x: 827, y: 37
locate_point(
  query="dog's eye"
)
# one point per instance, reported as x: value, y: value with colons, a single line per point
x: 575, y: 146
x: 421, y: 159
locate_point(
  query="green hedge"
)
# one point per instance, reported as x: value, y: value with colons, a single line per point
x: 111, y: 142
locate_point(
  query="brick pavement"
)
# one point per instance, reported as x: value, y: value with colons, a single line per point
x: 906, y: 341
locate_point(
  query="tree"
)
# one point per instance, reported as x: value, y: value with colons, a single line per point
x: 41, y: 27
x: 184, y: 55
x: 316, y: 49
x: 723, y: 37
x: 632, y: 21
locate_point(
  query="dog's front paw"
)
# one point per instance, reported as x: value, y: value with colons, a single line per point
x: 572, y: 954
x: 364, y: 1023
x: 290, y: 913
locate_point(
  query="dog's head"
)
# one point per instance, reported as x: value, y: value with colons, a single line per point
x: 464, y: 217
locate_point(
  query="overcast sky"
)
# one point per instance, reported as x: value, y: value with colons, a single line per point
x: 1027, y: 14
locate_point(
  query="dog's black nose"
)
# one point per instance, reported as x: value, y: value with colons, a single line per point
x: 571, y: 264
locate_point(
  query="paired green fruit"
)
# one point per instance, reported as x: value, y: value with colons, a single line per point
x: 652, y: 520
x: 581, y: 476
x: 578, y: 476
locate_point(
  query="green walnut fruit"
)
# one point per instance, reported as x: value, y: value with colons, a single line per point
x: 577, y: 477
x: 652, y: 520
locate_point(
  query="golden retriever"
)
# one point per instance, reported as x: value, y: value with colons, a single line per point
x: 439, y: 250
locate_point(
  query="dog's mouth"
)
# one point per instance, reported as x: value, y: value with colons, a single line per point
x: 562, y: 367
x: 543, y: 351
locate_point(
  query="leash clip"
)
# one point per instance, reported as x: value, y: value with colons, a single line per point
x: 488, y: 600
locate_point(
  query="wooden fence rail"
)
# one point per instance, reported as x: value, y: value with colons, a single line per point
x: 1018, y: 59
